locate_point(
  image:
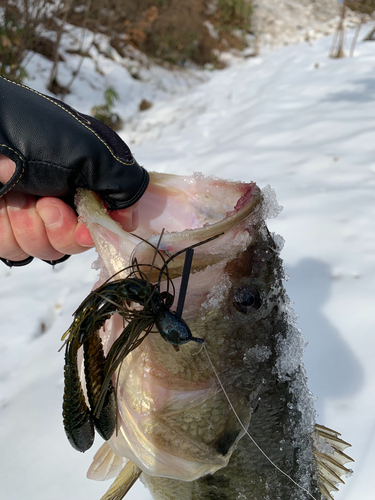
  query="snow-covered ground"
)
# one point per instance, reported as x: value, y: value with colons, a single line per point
x: 287, y: 22
x: 294, y: 119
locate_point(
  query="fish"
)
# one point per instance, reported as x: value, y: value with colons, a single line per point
x: 231, y: 418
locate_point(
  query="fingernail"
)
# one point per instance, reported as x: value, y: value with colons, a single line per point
x: 50, y: 214
x: 83, y: 236
x: 15, y: 201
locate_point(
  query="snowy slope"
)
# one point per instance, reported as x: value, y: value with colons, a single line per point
x: 286, y: 22
x: 294, y: 119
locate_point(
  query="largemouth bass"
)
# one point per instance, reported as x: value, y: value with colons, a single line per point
x: 233, y: 418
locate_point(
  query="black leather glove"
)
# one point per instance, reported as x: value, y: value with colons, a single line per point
x: 57, y: 150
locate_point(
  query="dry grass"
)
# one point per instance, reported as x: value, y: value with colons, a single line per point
x: 362, y: 6
x: 177, y: 31
x: 170, y: 30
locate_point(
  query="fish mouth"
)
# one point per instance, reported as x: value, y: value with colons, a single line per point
x: 187, y: 209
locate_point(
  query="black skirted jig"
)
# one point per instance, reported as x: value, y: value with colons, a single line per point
x: 117, y: 296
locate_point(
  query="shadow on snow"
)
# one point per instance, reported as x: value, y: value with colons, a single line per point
x: 333, y: 370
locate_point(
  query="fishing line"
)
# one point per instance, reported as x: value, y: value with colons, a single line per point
x: 247, y: 433
x: 155, y: 254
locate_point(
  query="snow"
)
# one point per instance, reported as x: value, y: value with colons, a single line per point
x: 293, y: 21
x: 292, y: 118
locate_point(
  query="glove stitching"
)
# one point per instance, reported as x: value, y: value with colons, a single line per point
x: 14, y: 183
x: 71, y: 114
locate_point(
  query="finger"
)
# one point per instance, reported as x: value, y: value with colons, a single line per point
x: 128, y: 218
x: 7, y: 169
x: 60, y: 223
x: 9, y: 248
x: 82, y: 236
x: 28, y: 228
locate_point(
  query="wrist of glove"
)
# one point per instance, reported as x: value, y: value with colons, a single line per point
x: 57, y: 150
x: 21, y: 263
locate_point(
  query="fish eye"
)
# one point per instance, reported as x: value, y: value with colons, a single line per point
x: 246, y: 300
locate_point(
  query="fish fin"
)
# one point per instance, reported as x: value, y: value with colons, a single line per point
x: 105, y: 464
x: 330, y: 458
x: 123, y: 482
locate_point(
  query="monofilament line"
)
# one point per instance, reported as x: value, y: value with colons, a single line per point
x: 246, y: 431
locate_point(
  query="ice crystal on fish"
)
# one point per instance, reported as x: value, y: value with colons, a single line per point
x: 270, y: 205
x: 258, y: 353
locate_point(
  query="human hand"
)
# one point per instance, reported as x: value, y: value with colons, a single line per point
x: 47, y: 151
x: 46, y: 228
